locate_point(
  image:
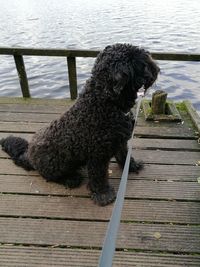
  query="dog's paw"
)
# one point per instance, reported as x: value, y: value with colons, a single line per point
x: 135, y: 166
x: 105, y: 198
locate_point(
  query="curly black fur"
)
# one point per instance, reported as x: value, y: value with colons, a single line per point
x: 16, y: 147
x: 96, y: 127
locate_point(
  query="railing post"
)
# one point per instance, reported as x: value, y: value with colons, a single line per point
x: 19, y: 62
x: 71, y: 62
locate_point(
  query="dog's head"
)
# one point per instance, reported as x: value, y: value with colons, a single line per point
x: 121, y: 70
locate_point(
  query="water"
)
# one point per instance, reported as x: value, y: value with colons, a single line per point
x: 160, y: 26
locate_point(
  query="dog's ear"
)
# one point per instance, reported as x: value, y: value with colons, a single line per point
x: 120, y: 81
x: 120, y: 77
x: 150, y: 74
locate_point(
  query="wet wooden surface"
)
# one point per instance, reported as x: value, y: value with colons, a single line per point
x: 45, y: 224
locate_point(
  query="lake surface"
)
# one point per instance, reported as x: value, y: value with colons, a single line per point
x: 159, y: 26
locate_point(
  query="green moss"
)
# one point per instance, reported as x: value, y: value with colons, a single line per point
x: 181, y: 106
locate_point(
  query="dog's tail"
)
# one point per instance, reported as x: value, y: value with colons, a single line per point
x: 16, y: 148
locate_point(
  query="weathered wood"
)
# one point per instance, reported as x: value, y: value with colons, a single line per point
x: 165, y: 144
x: 13, y: 115
x: 140, y: 131
x: 185, y: 123
x: 88, y: 53
x: 158, y: 103
x: 193, y: 114
x: 24, y: 108
x: 160, y: 199
x: 74, y: 208
x: 27, y: 117
x: 47, y: 117
x: 160, y: 172
x: 56, y: 106
x: 157, y: 157
x: 165, y: 132
x: 175, y: 56
x: 165, y: 190
x: 167, y: 157
x: 139, y: 143
x: 19, y: 62
x: 21, y: 127
x: 37, y: 101
x: 160, y: 111
x: 71, y: 63
x: 48, y: 52
x: 90, y: 234
x: 45, y: 108
x: 149, y: 172
x: 21, y: 256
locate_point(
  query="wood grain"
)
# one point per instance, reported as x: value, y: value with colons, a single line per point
x: 12, y: 256
x: 74, y: 208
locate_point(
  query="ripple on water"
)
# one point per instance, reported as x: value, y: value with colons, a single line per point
x: 66, y: 24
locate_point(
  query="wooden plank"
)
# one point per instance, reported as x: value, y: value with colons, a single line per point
x: 136, y: 189
x: 166, y: 144
x: 16, y: 123
x: 167, y: 157
x: 8, y: 167
x: 21, y: 127
x: 139, y: 143
x: 89, y: 53
x: 140, y: 130
x: 36, y: 101
x: 74, y: 208
x: 90, y: 234
x: 149, y: 172
x: 34, y: 108
x: 20, y: 256
x: 160, y: 172
x: 27, y: 117
x: 38, y: 105
x: 146, y: 132
x: 175, y: 56
x: 71, y: 63
x: 193, y: 114
x: 162, y: 190
x: 158, y: 157
x: 48, y: 52
x: 165, y: 132
x: 21, y: 71
x: 38, y: 256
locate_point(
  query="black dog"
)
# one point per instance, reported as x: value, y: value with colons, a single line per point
x: 95, y: 128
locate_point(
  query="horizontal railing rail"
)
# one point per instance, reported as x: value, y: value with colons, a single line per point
x: 71, y: 55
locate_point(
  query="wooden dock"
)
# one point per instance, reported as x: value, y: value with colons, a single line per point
x: 45, y: 224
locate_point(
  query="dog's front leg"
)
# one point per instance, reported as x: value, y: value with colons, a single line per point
x: 120, y: 156
x: 102, y: 192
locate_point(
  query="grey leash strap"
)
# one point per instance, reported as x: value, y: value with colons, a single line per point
x: 108, y: 250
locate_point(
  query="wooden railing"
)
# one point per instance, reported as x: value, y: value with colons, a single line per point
x: 71, y: 56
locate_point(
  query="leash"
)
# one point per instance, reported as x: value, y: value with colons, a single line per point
x: 108, y: 249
